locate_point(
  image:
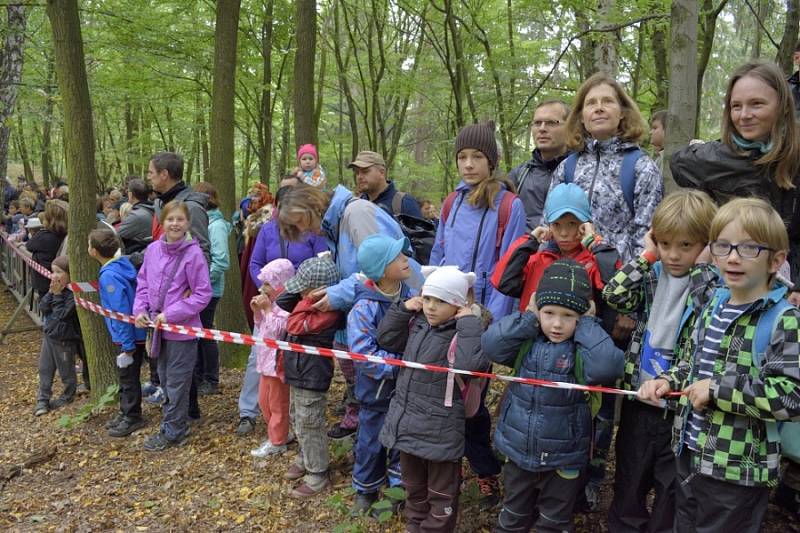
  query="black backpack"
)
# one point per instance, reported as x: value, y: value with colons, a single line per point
x: 421, y: 232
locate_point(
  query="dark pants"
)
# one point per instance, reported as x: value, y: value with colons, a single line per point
x: 84, y: 365
x: 432, y: 494
x: 373, y: 462
x: 57, y: 356
x: 644, y: 461
x: 175, y: 365
x: 130, y: 388
x: 525, y: 493
x: 207, y: 367
x: 153, y: 364
x: 477, y: 445
x: 706, y: 505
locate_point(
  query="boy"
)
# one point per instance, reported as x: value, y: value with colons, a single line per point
x: 117, y: 288
x: 546, y: 433
x: 309, y: 376
x: 385, y: 268
x: 727, y: 456
x: 665, y: 289
x: 60, y: 342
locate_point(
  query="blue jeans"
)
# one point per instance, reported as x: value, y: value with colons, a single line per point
x: 248, y: 397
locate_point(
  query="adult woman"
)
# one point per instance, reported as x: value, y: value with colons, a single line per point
x: 45, y: 245
x: 604, y: 126
x: 259, y: 210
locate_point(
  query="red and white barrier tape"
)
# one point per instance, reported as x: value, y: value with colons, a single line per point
x: 31, y: 263
x: 249, y: 340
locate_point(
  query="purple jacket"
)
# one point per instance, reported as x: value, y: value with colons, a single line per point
x: 268, y: 247
x: 191, y: 277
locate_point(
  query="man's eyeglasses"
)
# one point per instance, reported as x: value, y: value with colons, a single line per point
x: 546, y: 123
x: 747, y: 251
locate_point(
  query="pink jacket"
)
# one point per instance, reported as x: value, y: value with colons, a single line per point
x: 271, y: 325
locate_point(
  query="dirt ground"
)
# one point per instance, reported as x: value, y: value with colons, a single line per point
x: 96, y: 483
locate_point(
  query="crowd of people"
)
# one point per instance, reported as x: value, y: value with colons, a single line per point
x: 574, y: 268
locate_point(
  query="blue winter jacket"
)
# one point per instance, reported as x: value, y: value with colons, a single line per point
x: 540, y: 428
x: 467, y: 240
x: 117, y: 288
x: 346, y: 223
x: 374, y: 381
x: 218, y: 231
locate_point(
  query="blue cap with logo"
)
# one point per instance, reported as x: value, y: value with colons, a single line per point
x: 567, y: 198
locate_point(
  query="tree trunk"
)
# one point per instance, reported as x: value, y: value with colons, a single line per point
x: 129, y: 138
x: 47, y: 123
x: 265, y: 120
x: 658, y: 40
x: 709, y: 28
x: 230, y: 313
x: 790, y: 31
x: 605, y: 51
x: 23, y: 150
x: 306, y: 21
x: 79, y: 155
x: 10, y: 75
x: 683, y: 82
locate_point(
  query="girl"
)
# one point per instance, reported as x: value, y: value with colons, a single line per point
x: 173, y: 286
x: 310, y: 171
x: 44, y: 246
x: 273, y: 392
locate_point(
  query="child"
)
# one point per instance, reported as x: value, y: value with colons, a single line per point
x: 310, y: 171
x: 270, y: 322
x: 172, y: 286
x: 727, y: 456
x: 384, y: 268
x: 428, y: 434
x: 117, y: 288
x: 13, y: 217
x: 546, y: 433
x: 309, y: 376
x: 666, y: 290
x: 61, y: 339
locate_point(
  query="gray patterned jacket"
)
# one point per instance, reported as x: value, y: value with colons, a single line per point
x: 597, y: 173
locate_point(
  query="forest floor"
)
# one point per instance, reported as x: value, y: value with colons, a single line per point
x: 94, y: 482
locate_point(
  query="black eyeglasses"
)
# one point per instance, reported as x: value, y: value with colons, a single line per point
x: 546, y: 123
x: 747, y: 251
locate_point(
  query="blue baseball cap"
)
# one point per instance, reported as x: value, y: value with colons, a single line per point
x: 377, y: 251
x: 567, y: 198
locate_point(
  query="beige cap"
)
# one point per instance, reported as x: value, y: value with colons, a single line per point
x: 367, y: 159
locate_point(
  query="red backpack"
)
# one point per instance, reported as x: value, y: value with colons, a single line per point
x: 503, y: 215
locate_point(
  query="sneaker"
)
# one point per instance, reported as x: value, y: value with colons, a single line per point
x: 157, y: 397
x: 246, y: 426
x: 489, y: 490
x: 148, y: 388
x: 207, y: 389
x: 82, y: 388
x: 59, y: 402
x: 363, y: 503
x: 159, y: 442
x: 294, y: 472
x: 267, y: 448
x: 127, y: 426
x: 114, y: 421
x: 42, y: 408
x: 592, y: 497
x: 338, y: 432
x: 304, y: 490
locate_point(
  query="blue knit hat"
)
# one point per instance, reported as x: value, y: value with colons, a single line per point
x: 377, y: 251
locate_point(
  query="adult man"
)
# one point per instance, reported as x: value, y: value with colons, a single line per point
x: 370, y: 174
x: 794, y: 80
x: 135, y: 230
x: 532, y: 178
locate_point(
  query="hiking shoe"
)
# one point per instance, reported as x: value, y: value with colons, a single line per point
x: 148, y: 388
x: 127, y: 426
x: 338, y: 432
x: 59, y: 402
x: 114, y: 421
x: 489, y: 490
x: 267, y: 448
x: 159, y: 442
x: 363, y: 503
x: 42, y: 408
x: 294, y: 472
x: 207, y: 389
x: 82, y: 388
x: 246, y: 426
x: 304, y: 490
x: 157, y: 397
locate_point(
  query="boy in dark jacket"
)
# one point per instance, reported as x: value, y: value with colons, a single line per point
x: 117, y: 288
x: 309, y: 376
x: 546, y: 433
x: 61, y: 340
x: 429, y: 434
x: 384, y: 269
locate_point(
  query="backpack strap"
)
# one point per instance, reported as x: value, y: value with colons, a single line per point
x: 524, y: 348
x: 451, y: 361
x: 767, y: 323
x: 627, y: 176
x: 503, y: 216
x: 569, y: 167
x: 397, y: 202
x: 447, y: 206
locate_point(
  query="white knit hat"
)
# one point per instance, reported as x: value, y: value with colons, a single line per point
x: 448, y: 284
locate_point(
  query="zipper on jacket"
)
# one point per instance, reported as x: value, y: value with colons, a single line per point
x: 596, y: 170
x: 458, y: 206
x: 478, y: 240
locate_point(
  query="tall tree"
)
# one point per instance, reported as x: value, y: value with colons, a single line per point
x: 789, y: 39
x: 306, y: 23
x: 683, y: 78
x: 708, y: 26
x: 605, y: 52
x: 11, y: 59
x: 79, y: 154
x: 230, y: 313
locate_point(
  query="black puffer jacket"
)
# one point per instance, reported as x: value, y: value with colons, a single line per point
x: 44, y: 248
x: 60, y: 316
x: 418, y: 423
x: 532, y: 180
x: 724, y: 174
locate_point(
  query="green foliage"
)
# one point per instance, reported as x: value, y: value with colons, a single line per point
x: 86, y: 411
x: 341, y: 447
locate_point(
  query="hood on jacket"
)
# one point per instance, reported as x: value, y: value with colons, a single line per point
x: 537, y: 161
x: 215, y: 215
x: 177, y: 247
x: 366, y: 289
x: 612, y: 145
x: 330, y: 222
x: 121, y: 269
x: 147, y: 205
x: 182, y: 192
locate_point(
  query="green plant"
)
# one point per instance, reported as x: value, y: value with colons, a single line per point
x: 109, y: 397
x: 341, y: 448
x: 391, y: 496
